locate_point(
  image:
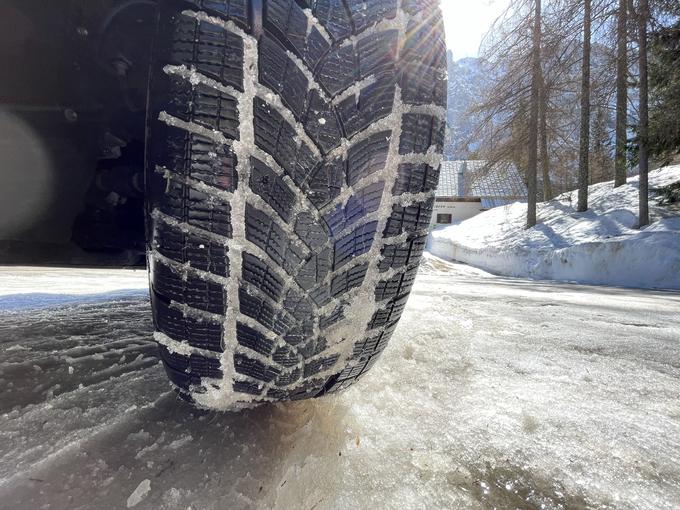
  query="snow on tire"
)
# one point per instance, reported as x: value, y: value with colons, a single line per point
x: 293, y: 150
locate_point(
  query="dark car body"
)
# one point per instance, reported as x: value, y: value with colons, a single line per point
x: 72, y: 123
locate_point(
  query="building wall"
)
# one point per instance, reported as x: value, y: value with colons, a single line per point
x: 459, y: 211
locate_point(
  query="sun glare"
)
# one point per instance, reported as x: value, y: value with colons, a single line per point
x: 467, y: 21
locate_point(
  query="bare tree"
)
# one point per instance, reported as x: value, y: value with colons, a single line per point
x: 643, y: 18
x: 532, y: 165
x: 584, y: 149
x: 543, y: 137
x: 621, y: 93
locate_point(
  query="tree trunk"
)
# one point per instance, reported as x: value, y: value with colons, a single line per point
x: 532, y: 165
x: 643, y: 17
x: 585, y: 113
x: 543, y: 137
x: 620, y: 164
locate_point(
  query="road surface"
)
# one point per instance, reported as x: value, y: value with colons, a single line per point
x: 494, y: 392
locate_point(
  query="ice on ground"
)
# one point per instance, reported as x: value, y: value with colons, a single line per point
x: 600, y: 246
x: 494, y: 393
x: 139, y: 493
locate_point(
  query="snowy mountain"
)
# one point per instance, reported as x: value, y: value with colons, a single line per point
x: 600, y: 246
x: 467, y: 78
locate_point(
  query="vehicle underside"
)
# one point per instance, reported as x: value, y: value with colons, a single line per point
x: 72, y: 108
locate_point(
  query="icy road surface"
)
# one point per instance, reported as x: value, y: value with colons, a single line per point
x: 494, y: 392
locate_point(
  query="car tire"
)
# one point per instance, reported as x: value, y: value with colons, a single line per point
x: 292, y: 155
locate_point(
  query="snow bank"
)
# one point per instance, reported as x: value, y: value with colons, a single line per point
x: 15, y: 280
x: 600, y: 246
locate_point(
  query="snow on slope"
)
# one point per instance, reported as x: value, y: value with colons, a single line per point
x: 600, y: 246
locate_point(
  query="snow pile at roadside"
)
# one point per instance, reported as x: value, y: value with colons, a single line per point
x: 600, y: 246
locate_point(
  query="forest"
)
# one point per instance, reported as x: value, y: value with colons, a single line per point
x: 577, y: 92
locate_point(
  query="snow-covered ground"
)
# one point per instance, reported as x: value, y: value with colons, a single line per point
x: 600, y: 246
x: 494, y: 392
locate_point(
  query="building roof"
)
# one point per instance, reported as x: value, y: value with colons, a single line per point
x: 495, y: 185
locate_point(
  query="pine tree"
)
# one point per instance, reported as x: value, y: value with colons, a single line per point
x: 664, y: 84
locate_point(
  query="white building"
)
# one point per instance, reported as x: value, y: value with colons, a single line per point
x: 467, y: 188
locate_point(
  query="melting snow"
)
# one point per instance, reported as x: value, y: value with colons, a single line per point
x: 139, y: 493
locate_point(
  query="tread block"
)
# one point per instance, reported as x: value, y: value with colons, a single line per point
x: 279, y: 72
x: 247, y: 387
x: 265, y: 233
x: 420, y: 132
x: 313, y: 347
x: 312, y: 233
x: 338, y: 70
x: 321, y: 124
x: 425, y: 43
x: 320, y: 365
x: 348, y: 280
x: 188, y: 248
x: 261, y: 276
x: 412, y: 178
x: 286, y: 356
x: 422, y: 85
x: 254, y: 368
x: 321, y: 295
x: 195, y: 365
x: 194, y: 207
x: 354, y: 244
x: 203, y: 105
x: 275, y: 319
x: 288, y: 378
x: 287, y: 19
x: 305, y: 390
x: 212, y: 50
x: 375, y: 102
x: 396, y: 256
x: 235, y: 10
x: 396, y: 286
x: 173, y: 323
x: 192, y: 290
x: 315, y: 270
x: 368, y: 156
x: 364, y: 13
x: 363, y: 202
x: 195, y: 156
x: 376, y: 52
x: 335, y: 316
x: 278, y: 138
x: 298, y: 305
x: 334, y: 18
x: 411, y: 218
x: 300, y: 334
x: 253, y: 340
x: 416, y: 6
x: 272, y: 189
x: 390, y: 312
x: 325, y: 183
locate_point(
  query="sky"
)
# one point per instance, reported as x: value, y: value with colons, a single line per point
x: 467, y: 21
